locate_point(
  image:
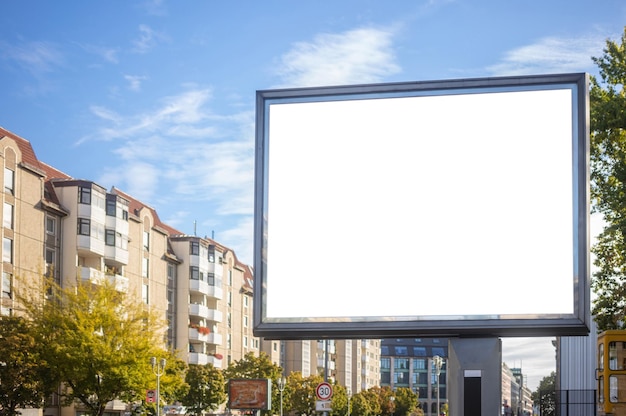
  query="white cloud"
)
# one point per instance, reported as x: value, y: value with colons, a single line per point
x: 146, y: 39
x: 180, y: 113
x: 134, y: 82
x: 38, y: 56
x: 184, y: 158
x: 108, y: 54
x: 357, y: 56
x: 551, y: 55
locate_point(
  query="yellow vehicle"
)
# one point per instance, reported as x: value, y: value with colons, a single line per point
x: 611, y: 373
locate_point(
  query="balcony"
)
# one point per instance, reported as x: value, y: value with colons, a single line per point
x: 116, y: 254
x: 208, y: 338
x: 203, y: 359
x: 198, y: 286
x: 205, y: 313
x: 97, y: 277
x: 89, y: 245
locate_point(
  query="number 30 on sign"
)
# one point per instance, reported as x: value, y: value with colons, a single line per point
x: 324, y: 391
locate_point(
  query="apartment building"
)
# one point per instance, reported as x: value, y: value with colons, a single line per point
x: 74, y: 229
x: 351, y: 363
x: 409, y: 363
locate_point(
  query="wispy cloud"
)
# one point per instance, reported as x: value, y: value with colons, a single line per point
x: 107, y: 54
x: 361, y: 55
x: 36, y: 57
x: 181, y: 154
x: 134, y: 81
x: 551, y: 55
x: 146, y: 39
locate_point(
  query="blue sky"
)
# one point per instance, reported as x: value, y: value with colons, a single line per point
x: 157, y: 97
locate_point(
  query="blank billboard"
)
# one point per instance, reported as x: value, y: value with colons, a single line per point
x: 455, y: 207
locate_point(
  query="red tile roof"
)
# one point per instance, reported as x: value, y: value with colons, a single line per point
x: 28, y: 154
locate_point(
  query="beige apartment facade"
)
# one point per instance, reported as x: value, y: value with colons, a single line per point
x: 74, y: 229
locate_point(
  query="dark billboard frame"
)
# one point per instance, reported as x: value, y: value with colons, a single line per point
x: 574, y: 321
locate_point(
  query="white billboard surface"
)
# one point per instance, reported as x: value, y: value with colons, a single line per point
x: 447, y: 207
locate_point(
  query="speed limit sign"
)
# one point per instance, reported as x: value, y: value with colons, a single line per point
x: 324, y: 391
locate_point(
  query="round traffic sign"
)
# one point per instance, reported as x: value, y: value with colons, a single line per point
x: 324, y: 391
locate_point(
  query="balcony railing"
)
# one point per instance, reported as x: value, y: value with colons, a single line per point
x: 200, y: 286
x: 98, y: 277
x: 203, y: 359
x: 204, y: 312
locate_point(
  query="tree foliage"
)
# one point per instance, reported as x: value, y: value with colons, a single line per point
x: 256, y: 367
x: 608, y: 184
x: 206, y: 389
x: 545, y: 396
x: 98, y: 343
x: 24, y: 377
x: 302, y: 393
x: 406, y: 402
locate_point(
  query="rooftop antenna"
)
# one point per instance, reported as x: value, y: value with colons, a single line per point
x: 194, y: 227
x: 212, y: 234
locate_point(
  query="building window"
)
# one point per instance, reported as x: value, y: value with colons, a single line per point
x: 50, y: 261
x: 419, y: 364
x: 84, y: 195
x: 211, y: 277
x: 7, y: 250
x: 171, y: 271
x: 144, y: 267
x: 146, y: 240
x: 109, y: 237
x: 194, y: 273
x: 385, y: 363
x: 9, y: 180
x: 7, y: 295
x: 51, y: 225
x: 245, y: 321
x: 245, y: 301
x: 144, y: 293
x: 401, y: 363
x: 84, y: 226
x: 6, y: 286
x: 7, y: 216
x: 111, y: 207
x: 211, y: 254
x: 194, y: 248
x: 419, y: 351
x: 125, y: 215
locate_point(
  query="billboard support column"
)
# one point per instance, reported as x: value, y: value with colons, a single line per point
x: 475, y: 376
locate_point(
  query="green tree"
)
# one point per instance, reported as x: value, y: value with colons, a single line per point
x: 253, y: 367
x: 302, y: 393
x: 360, y: 405
x: 406, y: 402
x: 206, y: 389
x: 339, y: 401
x: 98, y: 343
x: 24, y: 379
x: 608, y: 184
x: 544, y: 396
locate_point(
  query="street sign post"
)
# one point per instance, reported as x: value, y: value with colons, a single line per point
x: 324, y: 391
x: 323, y: 405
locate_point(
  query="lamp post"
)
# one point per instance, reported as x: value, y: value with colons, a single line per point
x: 281, y: 386
x: 438, y: 361
x: 158, y: 367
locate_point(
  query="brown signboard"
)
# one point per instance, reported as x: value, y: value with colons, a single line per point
x: 249, y: 394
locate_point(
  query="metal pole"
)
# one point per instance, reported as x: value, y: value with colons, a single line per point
x: 281, y: 386
x: 158, y: 368
x: 438, y: 361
